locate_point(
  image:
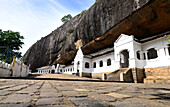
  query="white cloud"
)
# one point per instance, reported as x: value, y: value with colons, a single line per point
x: 21, y: 16
x: 32, y: 18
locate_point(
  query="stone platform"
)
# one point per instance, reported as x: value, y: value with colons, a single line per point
x: 83, y: 92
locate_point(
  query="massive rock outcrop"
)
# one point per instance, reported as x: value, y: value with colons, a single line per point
x: 99, y: 27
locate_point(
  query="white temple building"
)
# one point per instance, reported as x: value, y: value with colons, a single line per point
x: 46, y: 70
x: 129, y: 60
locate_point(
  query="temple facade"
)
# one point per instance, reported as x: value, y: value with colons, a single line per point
x: 129, y: 60
x: 46, y: 70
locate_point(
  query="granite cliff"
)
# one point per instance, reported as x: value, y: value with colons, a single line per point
x: 98, y: 28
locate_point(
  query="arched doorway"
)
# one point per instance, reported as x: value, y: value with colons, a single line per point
x: 78, y: 67
x: 124, y: 59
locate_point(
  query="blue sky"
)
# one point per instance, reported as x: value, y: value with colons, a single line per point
x: 37, y: 18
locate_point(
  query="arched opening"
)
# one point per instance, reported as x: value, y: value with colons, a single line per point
x: 124, y: 59
x: 144, y: 56
x: 87, y: 65
x: 101, y: 63
x: 78, y: 66
x: 53, y: 71
x: 94, y: 65
x: 109, y: 62
x: 169, y: 49
x: 138, y: 55
x: 152, y: 53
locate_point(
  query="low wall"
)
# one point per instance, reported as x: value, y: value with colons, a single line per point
x: 89, y: 75
x: 5, y: 69
x: 114, y: 76
x: 160, y: 75
x: 99, y: 75
x: 16, y: 69
x: 156, y: 72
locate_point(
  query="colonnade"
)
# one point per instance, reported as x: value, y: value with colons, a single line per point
x: 44, y: 71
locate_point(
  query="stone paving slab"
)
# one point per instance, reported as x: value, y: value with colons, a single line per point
x: 8, y: 86
x: 49, y: 95
x: 27, y: 91
x: 126, y: 104
x: 117, y: 95
x: 73, y: 94
x: 48, y: 90
x: 16, y: 88
x: 55, y: 106
x: 50, y: 101
x: 88, y: 102
x: 64, y: 89
x: 81, y: 90
x: 149, y: 103
x: 15, y: 105
x: 148, y: 97
x: 103, y: 97
x: 4, y: 92
x: 17, y: 98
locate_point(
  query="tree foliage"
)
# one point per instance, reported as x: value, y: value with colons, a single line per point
x: 11, y: 39
x: 10, y: 42
x: 66, y: 18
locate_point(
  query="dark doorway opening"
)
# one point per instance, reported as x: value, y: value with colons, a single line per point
x: 124, y: 59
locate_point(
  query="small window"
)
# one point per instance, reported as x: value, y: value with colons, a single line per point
x: 86, y: 65
x: 109, y: 62
x: 138, y: 55
x: 60, y: 70
x: 152, y: 53
x: 94, y: 65
x: 101, y: 63
x: 71, y: 69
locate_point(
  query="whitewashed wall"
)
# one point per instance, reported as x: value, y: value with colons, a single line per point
x: 5, y: 69
x: 79, y: 58
x: 105, y: 68
x: 17, y: 71
x: 87, y: 70
x: 125, y: 42
x: 66, y: 69
x: 160, y: 45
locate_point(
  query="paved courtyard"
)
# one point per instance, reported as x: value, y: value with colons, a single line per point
x: 65, y: 92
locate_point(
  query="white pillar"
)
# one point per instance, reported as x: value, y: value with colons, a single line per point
x: 141, y: 56
x: 146, y: 55
x: 158, y: 52
x: 166, y: 51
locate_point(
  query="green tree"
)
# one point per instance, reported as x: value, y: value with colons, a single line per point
x: 66, y: 18
x: 10, y: 42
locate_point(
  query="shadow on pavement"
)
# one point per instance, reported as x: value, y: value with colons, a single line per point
x: 33, y: 77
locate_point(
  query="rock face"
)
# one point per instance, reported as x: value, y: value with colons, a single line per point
x: 99, y: 27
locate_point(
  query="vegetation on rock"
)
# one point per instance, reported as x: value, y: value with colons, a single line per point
x: 66, y: 18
